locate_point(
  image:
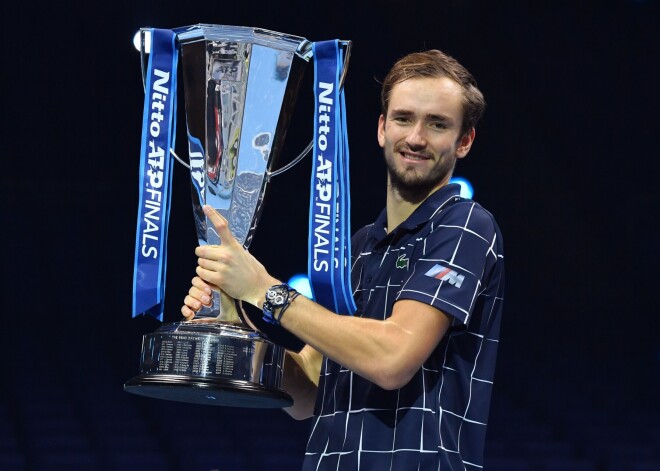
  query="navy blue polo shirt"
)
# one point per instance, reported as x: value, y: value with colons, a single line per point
x: 447, y: 254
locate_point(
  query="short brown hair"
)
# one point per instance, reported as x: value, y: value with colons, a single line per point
x: 435, y: 64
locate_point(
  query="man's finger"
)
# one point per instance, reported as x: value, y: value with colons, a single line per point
x: 188, y: 313
x: 220, y: 224
x: 200, y: 284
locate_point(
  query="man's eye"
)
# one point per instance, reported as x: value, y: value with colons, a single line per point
x: 401, y: 119
x: 438, y: 125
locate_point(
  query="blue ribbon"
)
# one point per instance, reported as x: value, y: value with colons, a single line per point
x: 158, y: 135
x: 329, y: 215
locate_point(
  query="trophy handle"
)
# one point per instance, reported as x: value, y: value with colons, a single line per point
x: 346, y: 44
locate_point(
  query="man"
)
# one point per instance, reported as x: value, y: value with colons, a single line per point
x: 405, y: 383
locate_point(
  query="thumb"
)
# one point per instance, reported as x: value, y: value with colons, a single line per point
x: 220, y: 223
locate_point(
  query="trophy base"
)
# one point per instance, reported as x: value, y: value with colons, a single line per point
x: 214, y: 392
x: 210, y: 362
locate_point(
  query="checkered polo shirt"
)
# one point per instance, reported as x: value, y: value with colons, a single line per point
x: 447, y: 254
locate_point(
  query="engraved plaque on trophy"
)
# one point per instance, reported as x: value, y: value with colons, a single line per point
x: 240, y: 86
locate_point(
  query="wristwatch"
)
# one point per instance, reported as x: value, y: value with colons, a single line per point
x: 278, y: 297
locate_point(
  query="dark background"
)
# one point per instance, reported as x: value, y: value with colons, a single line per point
x: 565, y: 158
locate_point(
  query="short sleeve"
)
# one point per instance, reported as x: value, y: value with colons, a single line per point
x: 450, y: 261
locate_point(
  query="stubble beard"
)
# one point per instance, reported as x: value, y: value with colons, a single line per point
x: 413, y: 186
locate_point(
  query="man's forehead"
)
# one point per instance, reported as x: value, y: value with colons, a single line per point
x: 438, y: 84
x: 437, y: 95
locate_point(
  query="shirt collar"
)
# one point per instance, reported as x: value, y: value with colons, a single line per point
x: 430, y: 205
x: 423, y: 213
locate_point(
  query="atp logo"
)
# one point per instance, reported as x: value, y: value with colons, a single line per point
x: 446, y: 274
x: 197, y: 171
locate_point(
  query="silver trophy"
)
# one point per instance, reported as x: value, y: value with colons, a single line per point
x: 240, y: 86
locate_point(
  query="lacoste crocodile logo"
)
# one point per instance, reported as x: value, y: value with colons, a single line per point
x: 402, y: 261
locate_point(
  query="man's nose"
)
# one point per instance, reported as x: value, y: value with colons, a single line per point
x: 417, y: 136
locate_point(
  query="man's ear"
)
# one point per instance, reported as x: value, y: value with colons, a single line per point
x: 465, y: 143
x: 381, y: 130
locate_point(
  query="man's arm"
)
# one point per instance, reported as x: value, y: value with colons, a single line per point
x: 301, y: 380
x: 386, y: 352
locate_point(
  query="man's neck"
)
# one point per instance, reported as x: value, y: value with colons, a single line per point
x: 399, y: 206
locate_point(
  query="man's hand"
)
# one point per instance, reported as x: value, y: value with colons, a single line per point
x: 229, y: 267
x: 199, y: 295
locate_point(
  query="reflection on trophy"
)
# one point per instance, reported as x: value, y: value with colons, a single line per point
x: 240, y: 86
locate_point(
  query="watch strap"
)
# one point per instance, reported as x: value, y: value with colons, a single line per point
x: 270, y: 308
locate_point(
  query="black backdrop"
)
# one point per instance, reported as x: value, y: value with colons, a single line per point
x: 565, y: 158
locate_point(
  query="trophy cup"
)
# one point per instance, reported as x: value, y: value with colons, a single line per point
x: 240, y: 86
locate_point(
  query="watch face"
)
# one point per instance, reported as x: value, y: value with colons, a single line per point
x: 277, y: 295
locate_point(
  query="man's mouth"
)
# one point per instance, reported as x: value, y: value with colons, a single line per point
x: 410, y: 155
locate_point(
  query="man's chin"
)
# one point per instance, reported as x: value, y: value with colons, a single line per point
x: 413, y: 189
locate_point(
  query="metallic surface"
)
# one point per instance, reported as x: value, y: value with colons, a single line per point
x: 210, y: 363
x: 240, y: 86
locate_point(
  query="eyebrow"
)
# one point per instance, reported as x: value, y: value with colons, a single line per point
x: 430, y: 117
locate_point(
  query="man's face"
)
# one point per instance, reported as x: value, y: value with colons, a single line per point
x: 421, y: 135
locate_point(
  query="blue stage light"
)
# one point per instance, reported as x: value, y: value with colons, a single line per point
x: 301, y: 284
x: 466, y: 187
